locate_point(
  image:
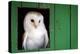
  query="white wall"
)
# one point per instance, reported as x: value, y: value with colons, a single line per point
x: 4, y: 27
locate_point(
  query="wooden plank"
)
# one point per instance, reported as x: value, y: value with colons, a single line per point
x: 62, y: 26
x: 74, y: 26
x: 29, y: 4
x: 52, y: 37
x: 14, y: 33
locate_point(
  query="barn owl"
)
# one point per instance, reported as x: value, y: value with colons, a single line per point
x: 35, y: 35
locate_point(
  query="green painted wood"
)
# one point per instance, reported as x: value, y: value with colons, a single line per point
x: 29, y: 5
x: 74, y: 26
x: 52, y: 38
x: 14, y: 28
x: 44, y: 5
x: 62, y: 26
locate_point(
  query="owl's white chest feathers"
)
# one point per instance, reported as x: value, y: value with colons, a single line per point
x: 35, y: 38
x: 35, y: 35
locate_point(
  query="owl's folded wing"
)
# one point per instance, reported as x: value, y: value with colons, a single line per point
x: 46, y: 39
x: 24, y: 40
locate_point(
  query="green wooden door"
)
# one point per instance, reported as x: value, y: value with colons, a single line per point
x: 65, y: 20
x: 62, y: 26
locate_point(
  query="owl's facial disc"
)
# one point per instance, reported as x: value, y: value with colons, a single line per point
x: 34, y: 23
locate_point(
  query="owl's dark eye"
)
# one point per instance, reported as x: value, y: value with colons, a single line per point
x: 39, y: 21
x: 32, y: 20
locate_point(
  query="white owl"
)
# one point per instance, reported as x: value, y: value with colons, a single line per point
x: 35, y: 36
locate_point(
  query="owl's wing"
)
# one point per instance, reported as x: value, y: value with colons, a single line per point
x: 46, y: 39
x: 24, y: 40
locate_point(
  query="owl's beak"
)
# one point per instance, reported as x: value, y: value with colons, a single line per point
x: 35, y: 25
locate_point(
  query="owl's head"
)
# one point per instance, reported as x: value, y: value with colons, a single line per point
x: 33, y: 20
